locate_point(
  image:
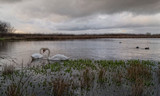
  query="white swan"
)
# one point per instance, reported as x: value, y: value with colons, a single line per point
x: 39, y: 55
x: 57, y: 57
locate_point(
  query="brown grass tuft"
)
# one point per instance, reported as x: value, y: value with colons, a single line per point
x: 101, y: 75
x: 86, y: 79
x: 117, y: 78
x: 60, y: 87
x: 8, y: 69
x: 136, y: 71
x: 138, y: 88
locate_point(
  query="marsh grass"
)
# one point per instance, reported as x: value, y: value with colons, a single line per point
x: 87, y: 78
x: 140, y: 75
x: 2, y: 39
x: 138, y: 71
x: 117, y: 78
x: 80, y: 77
x: 16, y: 82
x: 19, y: 86
x: 8, y: 69
x: 138, y: 87
x: 12, y: 90
x: 102, y: 75
x: 158, y: 73
x: 60, y: 87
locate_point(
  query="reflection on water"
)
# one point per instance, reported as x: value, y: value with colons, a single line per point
x: 85, y: 49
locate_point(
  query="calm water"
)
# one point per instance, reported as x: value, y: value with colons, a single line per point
x: 85, y: 49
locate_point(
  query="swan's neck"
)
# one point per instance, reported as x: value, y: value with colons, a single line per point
x: 42, y: 50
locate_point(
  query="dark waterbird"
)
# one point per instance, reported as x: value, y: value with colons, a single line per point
x: 147, y: 48
x: 137, y: 47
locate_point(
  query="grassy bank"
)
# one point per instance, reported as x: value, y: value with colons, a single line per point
x: 71, y: 36
x: 83, y: 78
x: 2, y: 39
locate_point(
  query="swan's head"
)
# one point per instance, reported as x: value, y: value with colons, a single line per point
x: 43, y: 50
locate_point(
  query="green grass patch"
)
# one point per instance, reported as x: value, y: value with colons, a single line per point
x: 2, y: 39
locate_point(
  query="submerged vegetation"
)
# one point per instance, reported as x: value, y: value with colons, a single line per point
x: 83, y: 77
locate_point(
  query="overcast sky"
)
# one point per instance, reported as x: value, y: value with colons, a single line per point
x: 82, y: 16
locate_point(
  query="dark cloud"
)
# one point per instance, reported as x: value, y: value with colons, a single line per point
x: 123, y: 20
x: 72, y: 15
x: 79, y: 8
x: 82, y: 8
x: 9, y: 1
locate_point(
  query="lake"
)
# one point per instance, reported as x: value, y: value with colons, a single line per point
x: 109, y: 49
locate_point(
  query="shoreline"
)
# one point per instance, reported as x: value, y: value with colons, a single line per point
x: 11, y: 36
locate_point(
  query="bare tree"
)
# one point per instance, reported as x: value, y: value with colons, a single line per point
x: 6, y: 27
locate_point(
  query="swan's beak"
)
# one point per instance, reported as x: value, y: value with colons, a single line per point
x: 44, y: 50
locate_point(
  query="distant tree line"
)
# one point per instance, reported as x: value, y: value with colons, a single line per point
x: 5, y: 27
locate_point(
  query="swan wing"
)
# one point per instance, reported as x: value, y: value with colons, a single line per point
x: 36, y: 56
